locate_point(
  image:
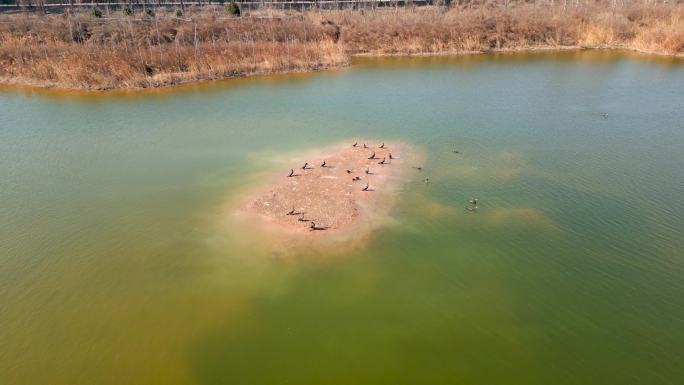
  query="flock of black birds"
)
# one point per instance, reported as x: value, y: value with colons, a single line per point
x: 306, y: 166
x: 313, y: 227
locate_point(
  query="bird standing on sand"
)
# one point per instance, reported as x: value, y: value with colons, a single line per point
x: 382, y: 145
x: 291, y: 173
x: 372, y: 155
x: 304, y: 166
x: 291, y: 212
x: 364, y: 145
x: 323, y: 165
x: 382, y: 161
x: 314, y: 227
x: 390, y: 156
x: 365, y: 188
x: 368, y: 171
x: 349, y: 171
x: 356, y: 144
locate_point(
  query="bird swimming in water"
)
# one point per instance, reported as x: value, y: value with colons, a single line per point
x: 472, y: 209
x: 356, y: 144
x: 457, y: 152
x: 473, y: 201
x: 605, y: 115
x: 323, y: 165
x: 382, y: 161
x: 427, y: 180
x: 372, y: 156
x: 382, y: 145
x: 291, y: 173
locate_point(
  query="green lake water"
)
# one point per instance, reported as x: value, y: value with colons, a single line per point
x: 116, y: 266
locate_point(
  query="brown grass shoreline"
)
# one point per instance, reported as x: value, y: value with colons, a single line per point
x: 81, y: 52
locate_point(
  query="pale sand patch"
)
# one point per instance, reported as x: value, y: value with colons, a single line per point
x: 327, y: 196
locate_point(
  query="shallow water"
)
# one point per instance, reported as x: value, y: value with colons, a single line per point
x: 116, y: 266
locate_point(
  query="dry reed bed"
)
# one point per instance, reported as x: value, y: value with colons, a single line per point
x: 81, y: 51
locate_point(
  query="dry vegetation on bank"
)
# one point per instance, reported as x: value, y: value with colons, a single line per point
x: 79, y: 50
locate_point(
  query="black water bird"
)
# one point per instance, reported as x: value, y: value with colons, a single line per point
x: 304, y: 166
x: 365, y: 188
x: 349, y: 171
x: 382, y: 161
x: 390, y: 156
x: 323, y: 165
x: 354, y: 179
x: 372, y: 156
x: 473, y: 201
x: 427, y: 180
x: 457, y: 152
x: 291, y: 173
x: 368, y: 171
x: 356, y: 144
x: 364, y: 145
x: 418, y: 168
x: 382, y: 145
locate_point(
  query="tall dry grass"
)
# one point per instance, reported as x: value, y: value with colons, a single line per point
x: 81, y: 51
x: 78, y: 51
